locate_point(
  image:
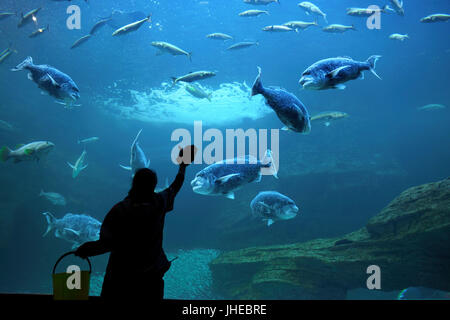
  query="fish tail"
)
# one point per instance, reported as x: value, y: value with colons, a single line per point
x: 372, y: 61
x: 257, y: 87
x: 174, y: 80
x: 4, y: 153
x: 23, y: 65
x: 50, y: 220
x: 354, y: 28
x: 269, y: 164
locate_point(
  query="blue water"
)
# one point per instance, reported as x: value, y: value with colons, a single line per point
x: 385, y: 145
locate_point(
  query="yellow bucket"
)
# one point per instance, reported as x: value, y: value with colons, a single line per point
x: 71, y: 285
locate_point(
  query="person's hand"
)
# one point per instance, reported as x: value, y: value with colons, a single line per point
x: 83, y: 251
x: 186, y: 155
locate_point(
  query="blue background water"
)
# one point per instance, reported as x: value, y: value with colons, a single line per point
x: 392, y: 144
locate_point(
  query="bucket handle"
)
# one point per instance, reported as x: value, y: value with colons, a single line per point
x: 66, y: 254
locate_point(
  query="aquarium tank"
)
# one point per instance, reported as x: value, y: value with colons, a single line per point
x: 322, y: 135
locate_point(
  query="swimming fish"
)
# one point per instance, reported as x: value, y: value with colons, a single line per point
x: 56, y: 83
x: 79, y: 164
x: 74, y: 228
x: 98, y: 25
x: 219, y: 36
x: 365, y: 12
x: 198, y: 92
x: 242, y: 45
x: 165, y: 47
x: 278, y: 28
x: 31, y: 151
x: 6, y: 53
x: 300, y: 24
x: 398, y: 6
x: 80, y: 41
x: 312, y: 9
x: 398, y: 36
x: 54, y: 198
x: 138, y: 160
x: 227, y: 176
x: 131, y: 27
x: 194, y: 76
x: 25, y: 19
x: 4, y: 125
x: 437, y: 17
x: 333, y: 72
x: 289, y: 109
x: 38, y: 32
x: 88, y: 140
x: 253, y: 13
x: 261, y: 2
x: 338, y: 28
x: 4, y: 15
x: 327, y: 116
x: 272, y: 206
x: 430, y: 107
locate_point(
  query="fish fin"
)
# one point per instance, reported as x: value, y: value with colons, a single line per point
x: 307, y: 13
x: 285, y: 128
x: 339, y: 86
x: 76, y: 244
x: 372, y: 60
x: 125, y: 167
x: 269, y: 164
x: 30, y: 76
x: 327, y: 124
x: 73, y: 167
x: 166, y: 185
x: 84, y: 167
x: 335, y: 72
x: 26, y: 63
x: 269, y: 222
x: 257, y: 85
x: 258, y: 179
x: 229, y: 195
x: 50, y: 220
x: 4, y: 153
x: 54, y: 83
x: 77, y: 233
x: 361, y: 76
x: 226, y: 178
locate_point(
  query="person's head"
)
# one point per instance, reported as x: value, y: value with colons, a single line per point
x: 144, y: 183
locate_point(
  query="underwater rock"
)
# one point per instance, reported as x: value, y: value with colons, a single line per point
x: 408, y: 240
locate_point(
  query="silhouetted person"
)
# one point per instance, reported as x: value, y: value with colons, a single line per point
x: 133, y: 232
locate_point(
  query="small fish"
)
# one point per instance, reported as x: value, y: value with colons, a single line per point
x: 165, y: 47
x: 261, y: 2
x: 365, y: 12
x: 6, y: 126
x: 311, y: 8
x: 98, y: 25
x: 338, y: 28
x: 197, y: 92
x: 253, y: 13
x: 242, y: 45
x: 333, y: 72
x: 131, y: 27
x: 79, y: 164
x: 272, y: 206
x: 223, y: 178
x: 49, y: 79
x: 38, y: 32
x: 398, y: 7
x: 4, y: 15
x: 437, y: 17
x: 327, y: 116
x: 289, y: 109
x: 25, y: 19
x: 74, y: 228
x: 80, y: 41
x: 300, y: 24
x: 278, y: 28
x: 54, y: 198
x: 28, y: 152
x: 194, y: 76
x: 138, y: 160
x: 88, y: 140
x: 6, y: 53
x: 398, y: 36
x: 430, y: 107
x: 219, y: 36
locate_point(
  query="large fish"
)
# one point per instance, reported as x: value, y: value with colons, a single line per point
x: 272, y: 206
x: 227, y: 176
x: 165, y: 47
x: 333, y: 72
x: 194, y: 76
x: 56, y: 83
x: 289, y: 109
x: 79, y: 164
x: 138, y: 160
x: 131, y: 26
x: 28, y: 152
x: 75, y: 228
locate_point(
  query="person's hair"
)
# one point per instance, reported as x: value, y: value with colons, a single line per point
x: 143, y: 185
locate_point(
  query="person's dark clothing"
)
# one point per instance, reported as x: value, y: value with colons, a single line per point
x: 133, y: 232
